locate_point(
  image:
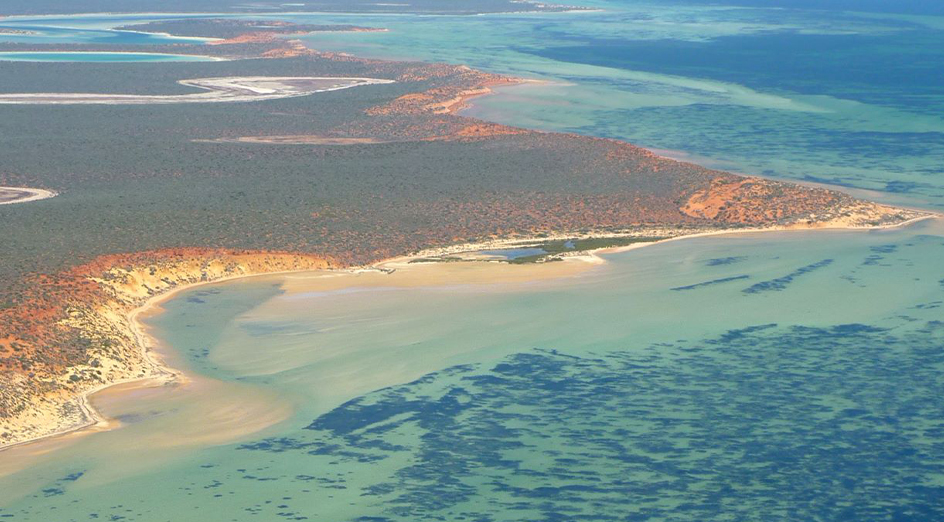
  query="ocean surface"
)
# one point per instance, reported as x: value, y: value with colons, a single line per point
x: 85, y: 29
x: 779, y: 376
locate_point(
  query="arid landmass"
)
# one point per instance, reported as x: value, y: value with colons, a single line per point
x: 92, y: 316
x: 156, y: 198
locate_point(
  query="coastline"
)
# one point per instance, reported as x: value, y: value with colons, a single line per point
x: 456, y: 105
x: 147, y: 346
x: 164, y: 374
x: 892, y: 226
x: 511, y: 243
x: 159, y: 373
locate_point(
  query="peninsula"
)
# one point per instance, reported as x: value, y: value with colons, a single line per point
x: 152, y: 201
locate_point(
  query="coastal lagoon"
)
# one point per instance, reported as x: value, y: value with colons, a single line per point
x: 789, y: 375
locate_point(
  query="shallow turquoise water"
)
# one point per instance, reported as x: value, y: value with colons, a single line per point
x: 801, y: 380
x: 100, y: 57
x: 84, y: 29
x: 789, y: 376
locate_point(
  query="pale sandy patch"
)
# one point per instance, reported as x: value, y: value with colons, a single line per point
x: 228, y: 89
x: 11, y: 195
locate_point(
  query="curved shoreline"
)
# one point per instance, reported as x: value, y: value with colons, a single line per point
x: 165, y: 374
x: 147, y: 346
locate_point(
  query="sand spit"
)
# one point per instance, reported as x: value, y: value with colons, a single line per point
x: 11, y: 195
x: 656, y: 235
x: 228, y: 89
x: 48, y: 420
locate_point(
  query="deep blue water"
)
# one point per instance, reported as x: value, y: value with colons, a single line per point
x: 754, y: 421
x: 903, y: 69
x: 917, y: 7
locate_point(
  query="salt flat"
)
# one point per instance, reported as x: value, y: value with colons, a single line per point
x: 228, y: 89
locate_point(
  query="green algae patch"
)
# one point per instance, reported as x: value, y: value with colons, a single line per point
x: 554, y: 249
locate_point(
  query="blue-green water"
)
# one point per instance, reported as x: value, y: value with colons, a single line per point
x: 804, y: 384
x: 788, y: 376
x: 837, y: 97
x: 85, y: 29
x: 99, y: 57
